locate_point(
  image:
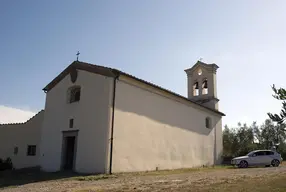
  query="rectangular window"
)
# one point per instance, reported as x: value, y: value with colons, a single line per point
x: 74, y: 94
x: 71, y: 123
x: 208, y: 122
x: 31, y: 151
x: 16, y: 150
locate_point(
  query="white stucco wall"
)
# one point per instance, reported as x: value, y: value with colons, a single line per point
x: 21, y: 135
x: 91, y: 117
x: 152, y: 130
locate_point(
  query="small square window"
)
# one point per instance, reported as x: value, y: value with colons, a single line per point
x: 71, y: 123
x: 31, y: 151
x: 16, y: 150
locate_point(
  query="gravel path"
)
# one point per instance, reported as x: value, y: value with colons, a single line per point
x: 155, y: 183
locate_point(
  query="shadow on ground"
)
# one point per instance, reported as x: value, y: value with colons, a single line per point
x: 32, y: 175
x: 25, y: 176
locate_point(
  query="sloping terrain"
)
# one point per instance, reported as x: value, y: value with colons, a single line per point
x: 205, y: 179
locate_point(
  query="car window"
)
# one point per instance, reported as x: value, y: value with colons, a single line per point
x: 269, y: 152
x: 259, y: 153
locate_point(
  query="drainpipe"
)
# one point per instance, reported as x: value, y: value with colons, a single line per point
x: 112, y: 122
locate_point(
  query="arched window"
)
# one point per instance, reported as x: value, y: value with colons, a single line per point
x: 74, y: 94
x: 205, y: 87
x: 196, y: 89
x: 208, y: 123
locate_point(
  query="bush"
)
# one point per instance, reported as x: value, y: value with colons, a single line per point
x: 6, y: 164
x: 226, y: 160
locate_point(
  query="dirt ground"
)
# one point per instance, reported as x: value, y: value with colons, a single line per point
x: 206, y: 179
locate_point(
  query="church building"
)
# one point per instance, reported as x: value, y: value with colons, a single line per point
x: 102, y: 120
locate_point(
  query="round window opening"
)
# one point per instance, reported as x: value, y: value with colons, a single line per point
x: 200, y: 72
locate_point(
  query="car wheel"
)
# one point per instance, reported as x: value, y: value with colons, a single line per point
x: 243, y: 164
x: 275, y: 163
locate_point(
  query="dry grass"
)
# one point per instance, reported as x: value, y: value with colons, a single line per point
x: 12, y: 179
x: 150, y: 173
x: 267, y: 183
x: 213, y: 179
x: 92, y: 177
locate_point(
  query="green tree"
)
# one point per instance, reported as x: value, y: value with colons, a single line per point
x: 245, y: 138
x: 230, y: 142
x: 279, y: 94
x: 268, y: 134
x: 227, y: 142
x: 256, y: 133
x: 242, y: 139
x: 238, y: 141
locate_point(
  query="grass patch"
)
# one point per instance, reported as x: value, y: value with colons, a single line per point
x: 21, y: 177
x: 266, y: 183
x: 92, y: 177
x: 177, y: 171
x: 89, y: 190
x: 148, y: 173
x: 269, y: 183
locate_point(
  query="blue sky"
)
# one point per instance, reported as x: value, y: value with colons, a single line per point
x: 152, y: 39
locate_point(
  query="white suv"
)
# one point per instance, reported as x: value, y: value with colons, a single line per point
x: 258, y: 158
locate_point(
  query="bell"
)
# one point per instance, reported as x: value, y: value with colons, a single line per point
x: 196, y: 85
x: 205, y: 84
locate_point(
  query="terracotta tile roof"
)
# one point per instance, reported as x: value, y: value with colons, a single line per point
x: 111, y: 72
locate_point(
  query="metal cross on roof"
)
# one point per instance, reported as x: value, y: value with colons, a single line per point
x: 77, y: 55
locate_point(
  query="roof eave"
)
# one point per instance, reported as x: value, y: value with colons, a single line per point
x: 170, y: 92
x: 113, y: 73
x: 205, y: 65
x: 81, y: 66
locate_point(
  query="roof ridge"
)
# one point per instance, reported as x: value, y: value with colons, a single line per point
x: 2, y: 124
x: 113, y: 72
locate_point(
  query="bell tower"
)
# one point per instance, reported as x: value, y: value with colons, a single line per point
x: 202, y: 85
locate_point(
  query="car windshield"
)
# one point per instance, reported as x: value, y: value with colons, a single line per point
x: 250, y: 153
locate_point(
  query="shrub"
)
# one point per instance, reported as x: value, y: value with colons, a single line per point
x: 6, y: 164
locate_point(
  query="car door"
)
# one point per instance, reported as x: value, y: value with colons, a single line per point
x: 264, y: 158
x: 253, y: 159
x: 269, y: 157
x: 258, y: 158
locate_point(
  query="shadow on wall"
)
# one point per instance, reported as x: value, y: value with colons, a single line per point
x: 30, y: 175
x: 163, y: 110
x: 219, y: 159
